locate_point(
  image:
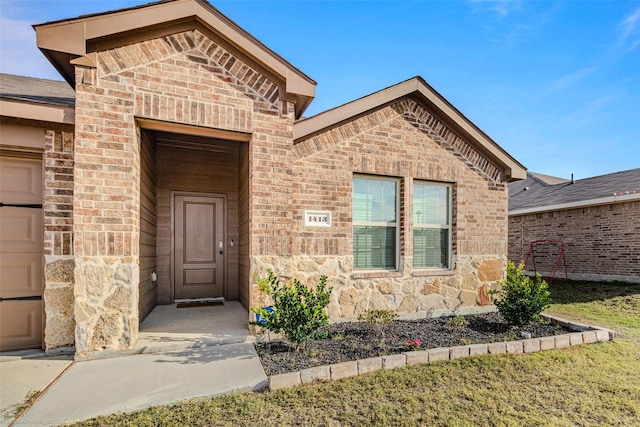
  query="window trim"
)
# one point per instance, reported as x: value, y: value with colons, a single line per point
x: 449, y: 186
x: 396, y: 225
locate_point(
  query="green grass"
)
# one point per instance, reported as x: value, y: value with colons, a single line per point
x: 590, y: 385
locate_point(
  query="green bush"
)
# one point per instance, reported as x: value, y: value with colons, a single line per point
x: 298, y: 312
x: 521, y: 299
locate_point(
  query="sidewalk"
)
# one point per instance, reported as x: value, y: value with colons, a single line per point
x: 91, y: 388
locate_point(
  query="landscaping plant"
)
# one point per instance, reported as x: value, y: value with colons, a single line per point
x: 521, y: 299
x: 378, y: 319
x: 298, y: 312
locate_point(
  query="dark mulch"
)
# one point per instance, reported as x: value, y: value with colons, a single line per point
x: 359, y: 340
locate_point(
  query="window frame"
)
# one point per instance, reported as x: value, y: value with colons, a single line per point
x: 396, y: 225
x: 448, y: 227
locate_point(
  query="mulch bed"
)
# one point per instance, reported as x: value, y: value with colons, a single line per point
x: 359, y: 340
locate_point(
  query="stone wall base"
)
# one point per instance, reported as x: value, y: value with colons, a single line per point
x: 106, y: 303
x: 418, y: 293
x: 60, y: 325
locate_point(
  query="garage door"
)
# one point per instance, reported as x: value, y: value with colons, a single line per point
x: 21, y: 270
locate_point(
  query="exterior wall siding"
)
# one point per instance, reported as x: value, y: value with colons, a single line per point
x: 394, y: 141
x: 601, y: 242
x: 148, y: 228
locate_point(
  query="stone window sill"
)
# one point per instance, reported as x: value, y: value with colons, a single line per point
x: 376, y: 274
x: 427, y: 273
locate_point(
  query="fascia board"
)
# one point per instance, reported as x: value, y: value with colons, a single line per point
x: 71, y: 36
x: 352, y: 109
x: 38, y: 112
x: 579, y: 204
x: 348, y: 111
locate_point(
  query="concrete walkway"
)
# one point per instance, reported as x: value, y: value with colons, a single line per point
x: 181, y: 354
x: 91, y: 388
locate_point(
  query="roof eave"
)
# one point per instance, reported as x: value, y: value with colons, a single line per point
x: 62, y: 41
x: 608, y: 200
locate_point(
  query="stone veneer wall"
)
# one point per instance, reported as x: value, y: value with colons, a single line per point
x: 601, y: 242
x: 186, y: 78
x: 59, y: 331
x: 405, y: 141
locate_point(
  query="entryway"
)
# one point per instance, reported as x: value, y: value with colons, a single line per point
x: 170, y: 328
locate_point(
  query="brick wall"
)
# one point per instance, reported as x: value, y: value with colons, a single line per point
x: 184, y: 78
x: 601, y: 242
x: 58, y: 239
x: 405, y: 141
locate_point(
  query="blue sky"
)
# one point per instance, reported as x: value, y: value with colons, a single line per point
x: 555, y: 83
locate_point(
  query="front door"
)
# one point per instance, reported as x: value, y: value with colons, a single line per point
x: 21, y: 243
x: 199, y: 246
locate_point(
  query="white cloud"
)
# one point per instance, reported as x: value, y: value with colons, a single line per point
x: 629, y: 29
x: 502, y: 7
x: 19, y: 53
x: 570, y: 80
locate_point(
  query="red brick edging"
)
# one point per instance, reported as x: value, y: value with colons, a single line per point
x: 584, y: 334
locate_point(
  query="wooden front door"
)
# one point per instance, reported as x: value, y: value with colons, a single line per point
x: 199, y: 246
x: 21, y: 246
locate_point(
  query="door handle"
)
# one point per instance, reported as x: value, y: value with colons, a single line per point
x: 221, y: 252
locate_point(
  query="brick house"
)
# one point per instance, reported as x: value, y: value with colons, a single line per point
x: 597, y: 219
x: 185, y: 168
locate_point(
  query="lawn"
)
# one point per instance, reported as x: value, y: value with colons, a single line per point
x: 598, y: 384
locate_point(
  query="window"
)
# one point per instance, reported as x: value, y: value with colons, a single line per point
x: 431, y: 225
x: 375, y: 223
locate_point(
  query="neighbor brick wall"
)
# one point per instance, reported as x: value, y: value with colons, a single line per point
x: 601, y: 242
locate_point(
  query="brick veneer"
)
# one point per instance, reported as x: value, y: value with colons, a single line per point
x: 402, y: 140
x: 58, y: 297
x: 185, y: 78
x: 601, y: 242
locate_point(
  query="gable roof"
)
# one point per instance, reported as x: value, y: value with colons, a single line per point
x: 418, y: 89
x: 541, y: 193
x: 75, y: 39
x: 38, y: 100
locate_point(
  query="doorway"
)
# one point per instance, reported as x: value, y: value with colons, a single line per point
x: 199, y: 246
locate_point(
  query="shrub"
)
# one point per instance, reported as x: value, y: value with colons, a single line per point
x: 298, y: 312
x: 378, y: 319
x: 458, y: 322
x: 521, y: 299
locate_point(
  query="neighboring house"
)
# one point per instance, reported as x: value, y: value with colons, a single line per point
x: 186, y: 155
x: 597, y: 219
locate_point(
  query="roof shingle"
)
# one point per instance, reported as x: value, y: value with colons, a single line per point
x: 32, y: 89
x: 541, y: 190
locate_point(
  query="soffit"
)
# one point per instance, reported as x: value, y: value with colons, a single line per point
x: 419, y: 90
x: 64, y: 41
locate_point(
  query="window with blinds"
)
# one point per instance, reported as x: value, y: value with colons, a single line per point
x: 431, y: 225
x: 375, y: 223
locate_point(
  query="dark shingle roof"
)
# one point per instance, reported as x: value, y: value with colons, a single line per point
x: 36, y: 90
x: 542, y: 190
